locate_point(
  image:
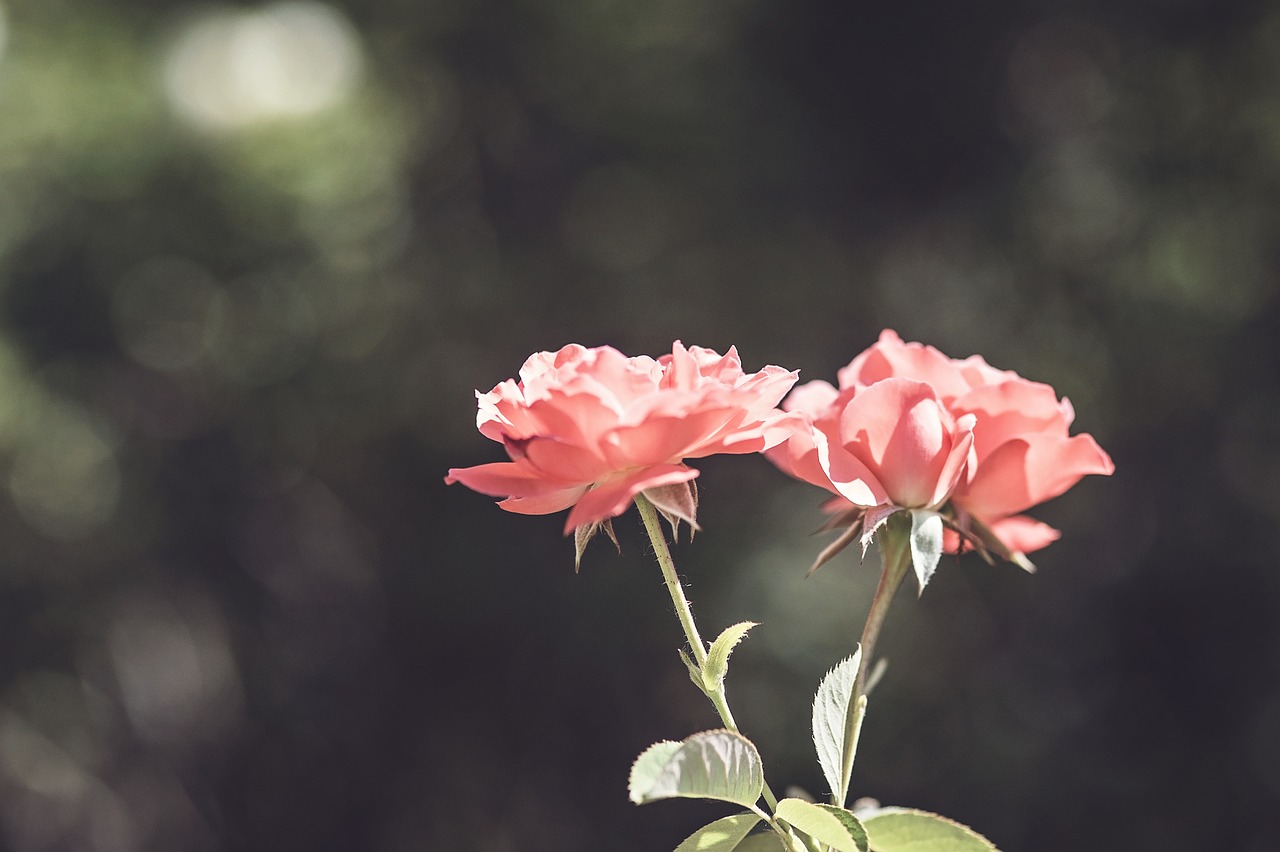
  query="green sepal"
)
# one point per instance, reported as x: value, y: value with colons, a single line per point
x: 908, y: 830
x: 711, y: 765
x: 723, y: 835
x: 827, y: 824
x: 695, y: 674
x: 582, y: 535
x: 926, y: 545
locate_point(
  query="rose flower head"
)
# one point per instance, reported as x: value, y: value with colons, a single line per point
x: 966, y: 448
x: 589, y: 429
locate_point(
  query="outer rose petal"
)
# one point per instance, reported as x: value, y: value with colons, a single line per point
x: 1024, y: 534
x: 798, y: 456
x: 507, y: 479
x: 1030, y: 470
x: 611, y: 498
x: 773, y: 431
x: 890, y: 358
x: 1010, y: 410
x: 813, y: 398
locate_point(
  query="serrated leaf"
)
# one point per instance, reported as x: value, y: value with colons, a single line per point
x: 907, y: 830
x: 831, y: 707
x: 926, y: 544
x: 650, y: 765
x: 827, y: 824
x: 710, y: 765
x: 716, y: 667
x: 762, y: 842
x: 723, y: 835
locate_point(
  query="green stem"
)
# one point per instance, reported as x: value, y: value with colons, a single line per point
x: 653, y: 526
x: 895, y: 558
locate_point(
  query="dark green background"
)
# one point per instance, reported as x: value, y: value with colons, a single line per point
x: 238, y: 607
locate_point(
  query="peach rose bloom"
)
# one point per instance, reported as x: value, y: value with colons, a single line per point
x: 1021, y: 453
x: 592, y: 428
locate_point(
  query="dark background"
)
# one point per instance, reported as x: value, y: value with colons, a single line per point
x: 255, y: 259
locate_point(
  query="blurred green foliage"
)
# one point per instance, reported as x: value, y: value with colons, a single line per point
x: 255, y: 258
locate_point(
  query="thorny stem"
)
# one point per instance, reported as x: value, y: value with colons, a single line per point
x: 653, y: 526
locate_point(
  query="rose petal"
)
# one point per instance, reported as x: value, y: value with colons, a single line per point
x: 546, y: 504
x: 565, y: 462
x: 849, y: 476
x: 890, y: 357
x: 506, y: 479
x: 900, y: 431
x: 1024, y: 534
x: 1029, y: 470
x: 1010, y: 410
x: 665, y: 439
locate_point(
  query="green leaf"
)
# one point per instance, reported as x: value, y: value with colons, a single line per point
x: 926, y: 544
x: 710, y: 765
x: 906, y: 830
x: 723, y: 835
x: 827, y: 824
x: 831, y: 708
x: 650, y: 765
x: 717, y: 664
x: 766, y: 841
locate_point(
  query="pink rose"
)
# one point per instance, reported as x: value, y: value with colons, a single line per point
x: 1020, y: 452
x: 592, y: 428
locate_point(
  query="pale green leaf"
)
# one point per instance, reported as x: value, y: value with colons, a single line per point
x: 710, y: 765
x: 827, y: 824
x: 926, y: 544
x: 723, y: 835
x: 765, y: 841
x: 906, y: 830
x: 650, y: 765
x: 717, y: 664
x: 831, y: 708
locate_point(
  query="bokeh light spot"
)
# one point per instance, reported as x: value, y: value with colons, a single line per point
x: 229, y: 69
